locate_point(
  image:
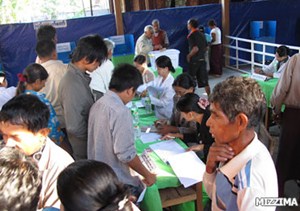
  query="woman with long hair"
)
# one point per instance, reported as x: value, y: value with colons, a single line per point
x: 196, y: 109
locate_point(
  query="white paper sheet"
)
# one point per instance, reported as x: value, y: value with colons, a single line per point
x: 149, y: 137
x: 166, y: 149
x: 141, y: 197
x: 188, y: 168
x: 155, y: 91
x: 138, y: 104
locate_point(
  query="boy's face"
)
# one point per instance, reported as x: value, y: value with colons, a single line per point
x: 21, y: 138
x: 221, y: 128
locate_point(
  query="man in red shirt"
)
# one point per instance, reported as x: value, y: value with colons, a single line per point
x: 159, y: 39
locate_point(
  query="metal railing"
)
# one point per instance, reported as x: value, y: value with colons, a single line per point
x: 240, y: 48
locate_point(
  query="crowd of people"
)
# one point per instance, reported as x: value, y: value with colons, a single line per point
x: 69, y: 137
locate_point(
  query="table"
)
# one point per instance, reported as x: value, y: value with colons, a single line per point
x: 267, y: 87
x: 152, y: 200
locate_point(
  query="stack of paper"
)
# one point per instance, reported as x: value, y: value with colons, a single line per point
x: 149, y: 137
x: 187, y: 166
x: 166, y: 149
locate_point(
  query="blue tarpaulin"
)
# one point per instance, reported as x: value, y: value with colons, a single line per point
x: 17, y: 41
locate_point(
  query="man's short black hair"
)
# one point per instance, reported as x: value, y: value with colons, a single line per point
x: 27, y: 111
x: 45, y: 48
x: 46, y: 32
x: 193, y: 23
x: 91, y: 47
x: 124, y: 77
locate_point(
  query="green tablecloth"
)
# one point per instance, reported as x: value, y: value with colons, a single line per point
x: 267, y: 87
x: 165, y: 179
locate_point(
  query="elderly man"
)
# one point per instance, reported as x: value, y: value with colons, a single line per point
x: 239, y: 168
x: 144, y: 42
x: 160, y: 39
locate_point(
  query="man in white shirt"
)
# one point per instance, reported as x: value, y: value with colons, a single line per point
x: 216, y: 53
x: 239, y: 168
x: 46, y: 51
x: 144, y: 42
x: 102, y: 75
x: 277, y: 66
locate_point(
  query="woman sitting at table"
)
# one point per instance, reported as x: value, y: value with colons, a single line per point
x: 182, y: 85
x: 277, y: 66
x: 196, y: 109
x: 140, y: 62
x: 160, y: 90
x: 92, y: 185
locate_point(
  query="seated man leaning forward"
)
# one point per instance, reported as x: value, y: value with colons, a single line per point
x: 239, y: 168
x: 24, y: 125
x: 110, y: 129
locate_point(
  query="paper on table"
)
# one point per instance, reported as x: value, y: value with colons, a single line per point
x: 138, y: 104
x: 188, y: 168
x: 166, y: 149
x: 141, y: 197
x: 155, y: 91
x: 149, y: 137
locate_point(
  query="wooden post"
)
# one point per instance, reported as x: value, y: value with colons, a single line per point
x: 118, y: 17
x: 147, y: 4
x: 226, y: 27
x: 136, y: 5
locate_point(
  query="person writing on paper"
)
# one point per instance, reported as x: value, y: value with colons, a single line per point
x: 160, y: 38
x: 110, y: 130
x: 160, y: 90
x: 239, y: 168
x: 193, y: 108
x: 277, y: 66
x: 92, y: 185
x: 182, y: 85
x: 140, y: 62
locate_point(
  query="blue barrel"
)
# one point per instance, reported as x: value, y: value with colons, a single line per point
x: 255, y: 29
x: 270, y: 28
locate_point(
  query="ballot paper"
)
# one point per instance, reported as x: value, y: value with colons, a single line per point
x: 138, y: 104
x: 188, y: 168
x: 149, y: 137
x: 155, y: 91
x: 166, y: 149
x: 142, y: 195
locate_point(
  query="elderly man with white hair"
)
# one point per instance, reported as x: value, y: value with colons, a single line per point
x: 144, y: 42
x: 102, y: 75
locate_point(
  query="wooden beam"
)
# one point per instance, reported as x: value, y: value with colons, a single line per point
x: 147, y: 5
x: 118, y: 16
x: 226, y: 26
x: 136, y: 5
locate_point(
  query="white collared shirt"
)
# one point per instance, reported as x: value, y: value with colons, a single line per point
x: 236, y: 184
x: 162, y: 99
